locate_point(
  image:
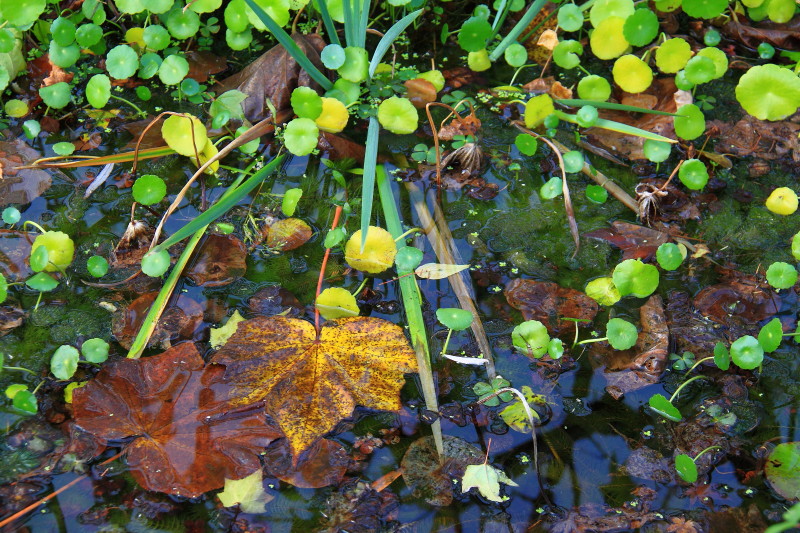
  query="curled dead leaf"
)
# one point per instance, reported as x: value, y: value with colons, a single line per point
x: 288, y: 234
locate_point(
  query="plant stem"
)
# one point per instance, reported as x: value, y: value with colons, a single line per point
x: 360, y: 287
x: 698, y: 363
x: 20, y: 369
x: 137, y: 108
x: 34, y: 224
x: 696, y: 457
x: 447, y: 341
x: 588, y: 341
x: 322, y: 267
x: 409, y: 232
x: 679, y: 389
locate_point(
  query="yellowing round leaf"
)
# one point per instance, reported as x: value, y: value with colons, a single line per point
x: 378, y: 254
x: 334, y: 116
x: 309, y: 384
x: 184, y: 134
x: 209, y: 151
x: 607, y: 40
x: 336, y: 302
x: 782, y: 201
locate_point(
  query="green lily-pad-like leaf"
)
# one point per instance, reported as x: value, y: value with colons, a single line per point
x: 155, y: 263
x: 300, y: 136
x: 603, y: 291
x: 98, y: 90
x: 633, y: 277
x: 183, y: 24
x: 97, y: 266
x: 747, y: 353
x: 122, y: 62
x: 332, y: 56
x: 40, y: 258
x: 771, y: 335
x: 552, y: 189
x: 721, y: 356
x: 781, y: 275
x: 661, y: 405
x: 64, y: 362
x: 56, y: 96
x: 173, y: 69
x: 555, y: 349
x: 621, y: 333
x: 95, y: 350
x: 783, y: 470
x: 25, y: 401
x: 454, y: 318
x: 474, y: 33
x: 306, y: 103
x: 690, y: 124
x: 21, y: 12
x: 641, y: 27
x: 693, y: 174
x: 149, y: 189
x: 531, y: 338
x: 686, y: 468
x: 670, y: 256
x: 41, y: 282
x: 704, y: 9
x: 408, y: 258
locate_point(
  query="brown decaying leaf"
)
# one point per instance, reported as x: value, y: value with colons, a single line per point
x: 20, y: 186
x: 338, y: 147
x: 187, y: 434
x: 759, y: 138
x: 323, y: 464
x: 786, y: 36
x: 356, y: 508
x: 636, y: 242
x: 203, y: 64
x: 536, y: 52
x: 630, y: 146
x: 743, y: 297
x: 550, y: 303
x: 548, y: 85
x: 179, y: 321
x: 132, y: 246
x: 642, y: 365
x: 11, y: 317
x: 420, y: 92
x: 309, y: 384
x: 275, y: 300
x: 220, y: 260
x: 467, y: 125
x: 15, y: 249
x: 288, y: 234
x: 273, y: 76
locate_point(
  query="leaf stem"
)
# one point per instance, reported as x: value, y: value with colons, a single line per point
x: 19, y: 368
x: 679, y: 389
x: 696, y: 457
x: 698, y: 363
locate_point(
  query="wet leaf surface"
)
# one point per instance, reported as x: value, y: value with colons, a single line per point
x: 220, y: 260
x: 786, y: 36
x: 11, y: 317
x: 275, y: 300
x: 187, y: 435
x: 15, y: 249
x: 357, y: 508
x: 431, y: 478
x: 179, y: 321
x: 323, y: 464
x: 288, y: 234
x: 20, y: 186
x: 765, y: 140
x: 549, y: 303
x: 741, y: 298
x: 309, y: 384
x: 273, y: 76
x: 636, y: 242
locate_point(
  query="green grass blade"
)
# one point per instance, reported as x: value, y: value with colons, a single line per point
x: 368, y: 180
x: 222, y: 206
x: 291, y: 46
x: 349, y: 23
x: 502, y: 11
x: 333, y: 37
x: 412, y: 303
x: 612, y: 105
x: 389, y: 37
x: 363, y: 22
x: 518, y: 28
x: 619, y: 127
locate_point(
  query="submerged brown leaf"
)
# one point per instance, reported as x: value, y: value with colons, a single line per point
x: 178, y: 321
x: 765, y: 140
x: 186, y: 434
x: 636, y: 242
x: 308, y: 384
x: 430, y: 476
x: 288, y: 234
x: 743, y: 297
x: 550, y: 303
x: 323, y: 464
x: 220, y: 260
x: 20, y: 186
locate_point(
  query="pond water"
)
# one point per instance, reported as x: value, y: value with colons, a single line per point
x: 605, y: 463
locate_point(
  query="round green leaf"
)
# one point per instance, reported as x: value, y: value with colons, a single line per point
x: 595, y: 88
x: 686, y: 468
x: 566, y: 54
x: 769, y: 92
x: 11, y: 215
x: 236, y: 16
x: 656, y: 151
x: 149, y: 64
x: 783, y: 470
x: 636, y: 278
x: 64, y: 362
x: 531, y: 338
x: 781, y: 275
x: 408, y: 258
x: 747, y: 353
x: 669, y: 256
x: 306, y: 103
x: 333, y: 56
x: 587, y: 116
x: 22, y: 12
x: 15, y: 108
x: 454, y: 318
x: 527, y: 144
x: 39, y: 259
x: 57, y: 95
x: 771, y: 335
x: 570, y: 17
x: 690, y: 124
x: 356, y: 65
x: 149, y: 189
x: 25, y: 400
x: 122, y: 62
x: 474, y: 33
x: 552, y: 189
x: 603, y: 291
x: 704, y: 9
x: 98, y: 90
x: 290, y: 200
x: 555, y: 349
x: 31, y: 128
x: 641, y: 28
x: 721, y: 357
x: 7, y: 40
x: 621, y: 334
x: 300, y: 136
x: 693, y: 174
x: 154, y: 264
x: 157, y: 6
x: 63, y: 148
x: 700, y: 69
x: 95, y: 350
x: 156, y: 37
x: 573, y: 161
x: 596, y: 194
x: 173, y: 69
x: 516, y: 55
x: 63, y: 31
x: 97, y: 266
x: 398, y: 115
x: 41, y: 282
x: 181, y: 24
x: 672, y: 55
x: 238, y: 40
x: 664, y: 407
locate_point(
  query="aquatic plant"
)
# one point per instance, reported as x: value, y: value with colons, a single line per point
x: 769, y: 92
x: 782, y: 201
x: 686, y: 466
x: 336, y: 302
x: 376, y: 255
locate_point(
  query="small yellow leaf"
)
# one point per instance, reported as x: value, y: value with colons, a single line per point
x: 335, y: 302
x: 438, y: 270
x: 378, y: 254
x: 71, y: 387
x: 247, y: 492
x: 486, y: 479
x: 515, y: 414
x: 219, y: 336
x: 548, y: 39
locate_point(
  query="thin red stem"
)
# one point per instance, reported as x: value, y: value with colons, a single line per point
x: 335, y: 223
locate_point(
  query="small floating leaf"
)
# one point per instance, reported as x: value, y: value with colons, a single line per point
x: 454, y: 318
x: 64, y: 362
x: 149, y: 189
x: 95, y: 350
x: 438, y: 270
x: 664, y: 407
x: 336, y: 302
x: 686, y: 468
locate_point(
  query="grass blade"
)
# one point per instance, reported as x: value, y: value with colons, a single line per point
x: 389, y: 37
x: 518, y: 28
x: 612, y: 105
x: 291, y: 46
x: 349, y: 26
x: 412, y: 303
x: 368, y: 180
x: 333, y: 37
x: 222, y: 206
x: 619, y: 127
x: 363, y: 19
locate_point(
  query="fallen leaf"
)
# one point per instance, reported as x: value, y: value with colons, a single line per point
x: 185, y: 430
x: 550, y: 304
x: 750, y: 136
x: 429, y: 476
x: 438, y: 270
x: 337, y: 147
x: 203, y: 64
x: 15, y: 249
x: 20, y: 186
x: 468, y: 125
x: 742, y: 296
x: 548, y: 39
x: 275, y: 300
x: 636, y: 242
x: 486, y: 479
x: 288, y: 234
x: 309, y: 384
x: 11, y: 316
x: 219, y: 336
x: 420, y: 92
x: 221, y: 259
x: 542, y: 22
x: 179, y: 321
x: 248, y: 493
x: 273, y: 76
x: 357, y: 508
x: 323, y: 464
x: 516, y: 416
x: 785, y: 36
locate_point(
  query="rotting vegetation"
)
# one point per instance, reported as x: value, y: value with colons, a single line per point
x: 562, y: 218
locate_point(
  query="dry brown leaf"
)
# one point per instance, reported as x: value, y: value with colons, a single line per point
x: 309, y: 384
